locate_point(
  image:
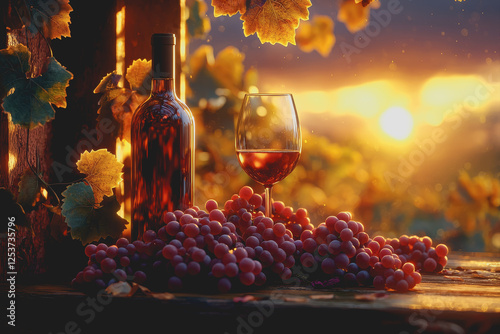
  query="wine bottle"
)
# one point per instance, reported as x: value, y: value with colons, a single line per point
x: 163, y: 145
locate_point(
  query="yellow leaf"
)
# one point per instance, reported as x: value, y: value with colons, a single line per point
x: 138, y: 75
x: 276, y: 20
x: 364, y: 3
x: 203, y: 57
x: 56, y: 18
x: 228, y: 67
x: 228, y: 7
x: 353, y: 15
x: 103, y: 172
x: 316, y: 35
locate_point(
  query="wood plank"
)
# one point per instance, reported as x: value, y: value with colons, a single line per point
x: 438, y: 304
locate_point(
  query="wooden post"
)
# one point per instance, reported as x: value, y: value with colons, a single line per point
x: 88, y: 54
x: 144, y: 18
x: 4, y: 121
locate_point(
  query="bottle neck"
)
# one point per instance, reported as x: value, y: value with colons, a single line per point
x: 163, y: 86
x: 163, y: 65
x: 163, y: 68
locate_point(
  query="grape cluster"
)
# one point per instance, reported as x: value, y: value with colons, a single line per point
x: 237, y: 247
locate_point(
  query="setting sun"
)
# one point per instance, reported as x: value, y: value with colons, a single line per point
x: 397, y: 122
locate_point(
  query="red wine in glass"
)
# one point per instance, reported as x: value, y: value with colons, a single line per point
x: 268, y: 139
x: 268, y: 167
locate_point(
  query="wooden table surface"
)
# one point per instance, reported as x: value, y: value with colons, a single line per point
x: 464, y: 299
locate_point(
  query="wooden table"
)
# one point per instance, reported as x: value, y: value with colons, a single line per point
x: 464, y: 300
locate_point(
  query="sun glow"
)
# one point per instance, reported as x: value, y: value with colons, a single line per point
x: 396, y: 122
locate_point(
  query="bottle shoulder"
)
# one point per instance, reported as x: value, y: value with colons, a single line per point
x: 164, y: 108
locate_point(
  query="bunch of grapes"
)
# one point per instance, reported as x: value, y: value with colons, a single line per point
x: 347, y: 252
x: 236, y: 247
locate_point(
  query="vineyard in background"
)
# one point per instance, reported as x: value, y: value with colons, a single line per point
x: 463, y: 211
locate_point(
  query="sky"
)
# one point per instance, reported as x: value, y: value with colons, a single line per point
x: 432, y: 58
x: 424, y: 38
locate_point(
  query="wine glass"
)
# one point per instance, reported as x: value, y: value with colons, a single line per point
x: 268, y: 139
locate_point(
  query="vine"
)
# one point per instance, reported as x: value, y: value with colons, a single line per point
x: 88, y: 204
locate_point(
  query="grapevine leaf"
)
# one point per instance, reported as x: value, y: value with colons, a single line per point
x: 353, y: 15
x: 198, y: 24
x: 208, y: 74
x: 29, y: 190
x: 106, y: 218
x: 110, y: 81
x: 14, y: 63
x: 77, y: 207
x: 51, y: 86
x: 29, y: 100
x: 103, y: 172
x: 119, y: 102
x: 50, y: 18
x: 228, y: 68
x: 139, y: 76
x: 86, y: 222
x: 316, y: 35
x: 228, y: 7
x: 275, y: 21
x: 364, y: 3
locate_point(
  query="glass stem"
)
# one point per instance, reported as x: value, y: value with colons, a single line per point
x: 268, y: 204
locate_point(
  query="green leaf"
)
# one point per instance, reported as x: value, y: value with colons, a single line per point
x: 51, y: 86
x: 29, y: 190
x: 108, y: 220
x: 30, y: 102
x: 78, y: 205
x: 14, y: 63
x: 86, y: 222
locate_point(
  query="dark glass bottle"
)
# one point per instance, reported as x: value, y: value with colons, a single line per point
x: 163, y: 145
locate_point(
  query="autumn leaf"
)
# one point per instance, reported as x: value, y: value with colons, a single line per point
x: 198, y: 24
x: 51, y: 18
x: 364, y: 3
x: 103, y: 172
x: 228, y: 7
x: 139, y: 76
x: 109, y: 82
x: 275, y: 21
x: 226, y: 70
x: 29, y: 101
x: 120, y: 289
x: 119, y: 102
x: 316, y: 35
x: 353, y: 15
x: 228, y: 67
x: 87, y: 222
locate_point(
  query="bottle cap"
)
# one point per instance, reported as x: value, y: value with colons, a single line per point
x: 168, y: 39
